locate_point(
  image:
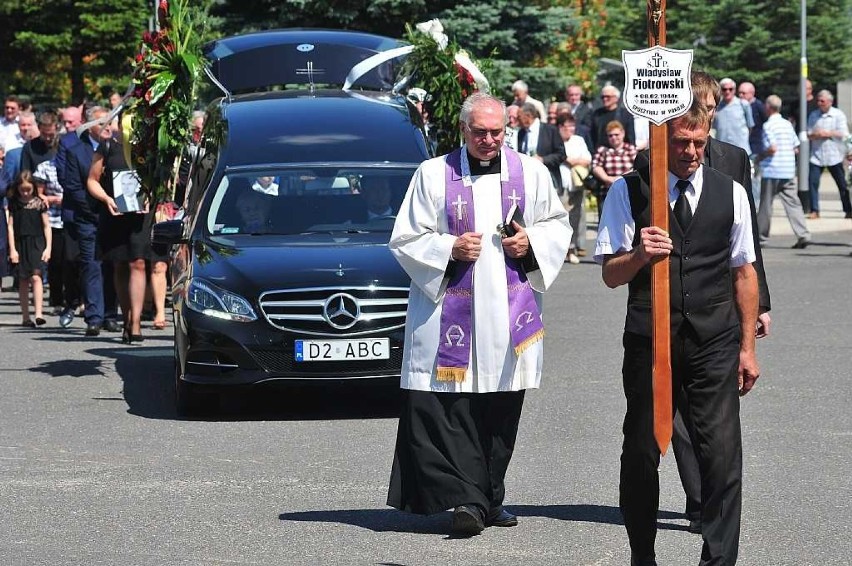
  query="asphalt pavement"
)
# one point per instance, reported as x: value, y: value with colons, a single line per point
x: 96, y: 468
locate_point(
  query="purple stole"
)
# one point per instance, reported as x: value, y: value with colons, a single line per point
x: 525, y: 326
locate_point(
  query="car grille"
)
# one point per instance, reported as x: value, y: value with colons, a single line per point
x: 336, y: 311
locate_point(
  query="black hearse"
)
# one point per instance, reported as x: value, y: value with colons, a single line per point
x: 280, y: 267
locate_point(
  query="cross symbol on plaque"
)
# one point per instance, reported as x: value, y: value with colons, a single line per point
x: 514, y: 198
x: 657, y: 58
x: 459, y: 204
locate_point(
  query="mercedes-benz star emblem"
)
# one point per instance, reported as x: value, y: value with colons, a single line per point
x: 342, y: 311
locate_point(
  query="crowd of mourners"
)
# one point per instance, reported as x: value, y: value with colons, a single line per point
x: 63, y: 224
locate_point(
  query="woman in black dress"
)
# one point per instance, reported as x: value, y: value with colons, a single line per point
x: 29, y: 244
x: 123, y: 237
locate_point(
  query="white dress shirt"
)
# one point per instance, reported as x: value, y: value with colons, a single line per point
x: 617, y: 228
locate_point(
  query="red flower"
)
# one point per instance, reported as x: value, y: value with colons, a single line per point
x: 138, y: 57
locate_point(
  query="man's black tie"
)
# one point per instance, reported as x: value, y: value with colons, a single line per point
x: 682, y: 210
x: 525, y: 134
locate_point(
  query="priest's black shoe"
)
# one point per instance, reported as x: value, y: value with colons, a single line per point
x: 642, y: 561
x: 93, y: 330
x: 112, y: 325
x: 467, y: 521
x: 499, y: 517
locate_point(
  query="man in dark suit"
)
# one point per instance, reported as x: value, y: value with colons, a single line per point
x: 610, y: 109
x: 734, y: 162
x: 714, y: 307
x: 73, y: 161
x: 541, y: 141
x: 581, y: 110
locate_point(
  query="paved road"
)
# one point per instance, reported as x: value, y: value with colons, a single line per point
x: 95, y: 468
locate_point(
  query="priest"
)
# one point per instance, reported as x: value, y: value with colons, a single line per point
x: 474, y: 330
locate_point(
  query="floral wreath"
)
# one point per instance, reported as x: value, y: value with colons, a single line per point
x: 166, y: 72
x: 447, y: 73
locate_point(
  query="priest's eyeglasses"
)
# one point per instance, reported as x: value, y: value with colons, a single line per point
x: 480, y: 133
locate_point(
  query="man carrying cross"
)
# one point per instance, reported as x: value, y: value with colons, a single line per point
x: 474, y: 331
x: 713, y: 306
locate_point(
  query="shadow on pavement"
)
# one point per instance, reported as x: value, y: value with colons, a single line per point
x: 70, y: 368
x: 377, y: 520
x: 148, y: 375
x: 391, y: 520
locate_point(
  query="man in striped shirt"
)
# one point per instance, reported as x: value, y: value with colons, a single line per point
x: 827, y: 128
x: 778, y: 172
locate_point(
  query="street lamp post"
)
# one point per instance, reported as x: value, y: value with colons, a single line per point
x: 804, y: 148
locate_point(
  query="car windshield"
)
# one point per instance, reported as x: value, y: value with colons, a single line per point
x: 299, y: 201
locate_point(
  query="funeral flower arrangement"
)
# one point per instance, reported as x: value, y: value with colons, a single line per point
x: 166, y: 72
x: 447, y: 73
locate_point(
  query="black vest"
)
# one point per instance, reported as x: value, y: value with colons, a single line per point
x: 702, y: 292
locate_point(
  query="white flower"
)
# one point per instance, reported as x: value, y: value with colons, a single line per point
x: 464, y: 61
x: 435, y: 30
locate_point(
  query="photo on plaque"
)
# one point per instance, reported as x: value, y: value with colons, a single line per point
x: 127, y: 191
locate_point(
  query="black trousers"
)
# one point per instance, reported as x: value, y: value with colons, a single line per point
x: 687, y: 462
x: 707, y: 372
x: 62, y: 273
x: 453, y: 449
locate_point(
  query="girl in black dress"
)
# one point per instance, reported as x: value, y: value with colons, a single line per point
x: 29, y: 244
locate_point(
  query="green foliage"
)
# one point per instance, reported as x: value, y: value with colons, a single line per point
x: 435, y: 69
x: 519, y: 35
x: 166, y: 73
x: 65, y: 50
x: 61, y: 51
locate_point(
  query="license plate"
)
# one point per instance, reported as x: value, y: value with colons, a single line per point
x: 342, y: 350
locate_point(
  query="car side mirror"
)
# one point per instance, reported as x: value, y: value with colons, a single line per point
x: 169, y: 232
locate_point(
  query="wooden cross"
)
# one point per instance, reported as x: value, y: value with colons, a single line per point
x: 660, y: 295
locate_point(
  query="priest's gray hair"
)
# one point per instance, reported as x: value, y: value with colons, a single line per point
x: 477, y: 99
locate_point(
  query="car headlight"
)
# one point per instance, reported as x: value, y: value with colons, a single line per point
x: 206, y: 298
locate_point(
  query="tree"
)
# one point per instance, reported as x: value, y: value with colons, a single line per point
x: 66, y: 51
x: 519, y: 37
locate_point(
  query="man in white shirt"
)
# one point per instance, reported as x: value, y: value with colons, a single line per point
x: 827, y: 130
x: 778, y: 174
x: 714, y: 307
x: 10, y: 134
